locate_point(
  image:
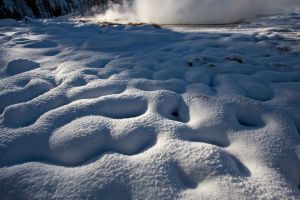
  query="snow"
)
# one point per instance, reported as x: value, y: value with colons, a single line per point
x: 18, y: 66
x: 94, y: 111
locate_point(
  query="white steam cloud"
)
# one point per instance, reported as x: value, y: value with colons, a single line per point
x: 193, y: 11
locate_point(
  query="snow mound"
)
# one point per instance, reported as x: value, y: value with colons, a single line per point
x: 91, y: 111
x: 42, y: 44
x: 20, y: 65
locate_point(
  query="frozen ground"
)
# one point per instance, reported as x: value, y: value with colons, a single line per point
x: 137, y: 112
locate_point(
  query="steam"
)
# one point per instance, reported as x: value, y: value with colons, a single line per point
x: 192, y: 11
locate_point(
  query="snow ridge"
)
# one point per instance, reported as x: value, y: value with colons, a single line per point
x: 91, y: 111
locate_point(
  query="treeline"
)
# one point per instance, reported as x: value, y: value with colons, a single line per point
x: 49, y: 8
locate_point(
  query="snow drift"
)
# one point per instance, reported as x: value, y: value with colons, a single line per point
x: 134, y: 112
x: 193, y: 11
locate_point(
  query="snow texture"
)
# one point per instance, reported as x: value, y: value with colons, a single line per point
x: 91, y: 111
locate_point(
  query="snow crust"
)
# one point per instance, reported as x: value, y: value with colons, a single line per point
x: 90, y: 111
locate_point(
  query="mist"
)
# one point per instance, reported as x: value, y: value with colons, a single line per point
x: 193, y: 11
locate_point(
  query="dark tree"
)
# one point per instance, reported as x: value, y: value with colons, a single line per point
x: 49, y: 8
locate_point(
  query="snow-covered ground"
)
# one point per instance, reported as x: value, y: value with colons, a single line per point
x: 137, y: 112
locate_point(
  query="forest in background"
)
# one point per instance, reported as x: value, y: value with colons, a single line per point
x: 49, y: 8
